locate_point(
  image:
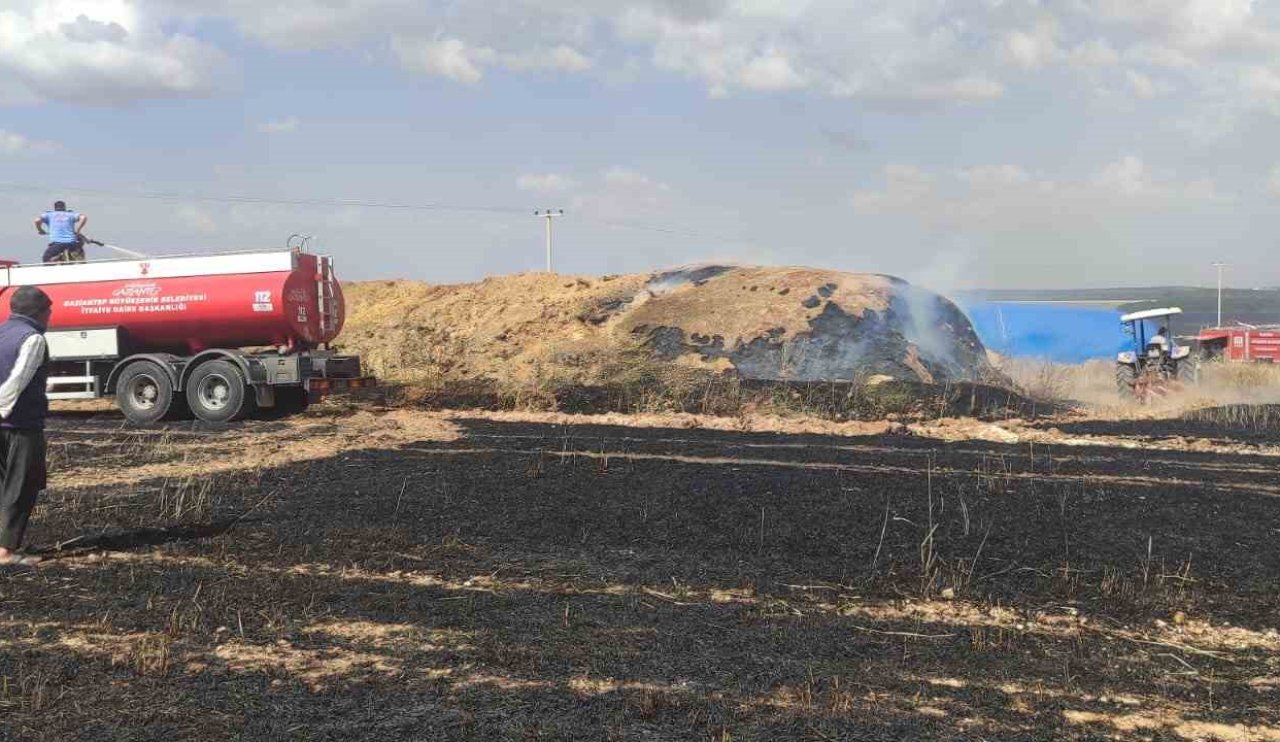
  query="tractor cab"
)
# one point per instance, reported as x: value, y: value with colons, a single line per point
x: 1154, y: 364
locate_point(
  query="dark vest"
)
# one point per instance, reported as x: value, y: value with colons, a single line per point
x: 32, y: 406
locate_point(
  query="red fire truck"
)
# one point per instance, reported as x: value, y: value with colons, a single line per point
x: 1241, y: 343
x: 219, y: 336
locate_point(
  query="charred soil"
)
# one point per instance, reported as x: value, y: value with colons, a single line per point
x: 375, y: 574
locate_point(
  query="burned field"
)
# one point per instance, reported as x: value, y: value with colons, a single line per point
x: 411, y: 575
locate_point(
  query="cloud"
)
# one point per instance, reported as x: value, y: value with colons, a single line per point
x: 961, y: 90
x: 1127, y: 176
x: 622, y: 194
x: 549, y: 183
x: 1142, y: 85
x: 1190, y: 26
x: 620, y: 177
x: 451, y: 58
x: 1273, y: 182
x: 280, y: 126
x: 771, y: 71
x: 457, y: 60
x: 1163, y: 57
x: 16, y: 144
x: 1094, y: 53
x: 615, y: 193
x: 993, y: 198
x: 994, y: 176
x: 1218, y: 54
x: 561, y: 58
x: 1033, y: 48
x: 851, y: 141
x: 196, y: 219
x: 880, y: 51
x: 101, y: 52
x: 906, y: 188
x: 1262, y: 85
x: 85, y: 30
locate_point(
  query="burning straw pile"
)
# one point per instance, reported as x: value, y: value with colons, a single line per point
x: 541, y: 339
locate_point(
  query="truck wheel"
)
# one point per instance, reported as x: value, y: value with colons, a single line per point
x: 144, y: 393
x: 1126, y: 381
x: 217, y: 392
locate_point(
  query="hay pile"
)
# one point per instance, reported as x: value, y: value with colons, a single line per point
x: 793, y: 324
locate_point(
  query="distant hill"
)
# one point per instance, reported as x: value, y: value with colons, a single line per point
x: 1199, y: 305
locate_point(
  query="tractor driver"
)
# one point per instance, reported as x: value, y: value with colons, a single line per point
x: 1161, y: 338
x: 63, y: 228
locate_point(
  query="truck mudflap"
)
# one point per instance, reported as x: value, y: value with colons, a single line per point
x: 319, y: 388
x: 330, y: 366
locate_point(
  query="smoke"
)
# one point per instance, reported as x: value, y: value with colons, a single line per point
x: 673, y: 279
x: 935, y: 324
x: 1235, y: 384
x: 950, y: 269
x: 1093, y: 385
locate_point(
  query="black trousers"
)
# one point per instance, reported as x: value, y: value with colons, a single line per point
x: 74, y: 251
x: 22, y: 476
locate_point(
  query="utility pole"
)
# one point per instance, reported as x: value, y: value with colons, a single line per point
x: 549, y: 214
x: 1219, y: 266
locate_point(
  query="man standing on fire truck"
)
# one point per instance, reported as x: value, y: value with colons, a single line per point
x: 24, y: 403
x: 64, y: 230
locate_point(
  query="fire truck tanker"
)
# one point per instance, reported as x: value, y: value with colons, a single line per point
x: 1240, y: 344
x: 220, y: 336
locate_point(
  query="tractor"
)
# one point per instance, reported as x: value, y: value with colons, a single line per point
x: 1154, y: 366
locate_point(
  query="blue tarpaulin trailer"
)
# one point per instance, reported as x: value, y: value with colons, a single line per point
x: 1065, y: 332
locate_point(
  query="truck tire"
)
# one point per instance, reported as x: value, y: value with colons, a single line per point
x: 145, y: 394
x: 1126, y: 381
x: 217, y: 392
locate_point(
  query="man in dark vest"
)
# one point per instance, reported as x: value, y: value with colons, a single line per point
x: 24, y: 403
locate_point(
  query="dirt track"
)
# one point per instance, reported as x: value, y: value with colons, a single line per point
x: 412, y: 576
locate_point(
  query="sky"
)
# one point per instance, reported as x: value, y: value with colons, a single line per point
x: 959, y: 144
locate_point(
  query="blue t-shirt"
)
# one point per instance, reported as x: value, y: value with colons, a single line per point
x: 61, y: 226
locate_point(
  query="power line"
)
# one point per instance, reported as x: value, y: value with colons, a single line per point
x: 239, y: 199
x: 663, y: 230
x: 358, y: 203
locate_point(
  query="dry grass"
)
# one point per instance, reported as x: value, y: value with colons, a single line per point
x: 633, y: 382
x: 505, y: 330
x: 1236, y: 396
x: 1241, y: 382
x: 750, y: 302
x: 525, y: 336
x: 1092, y: 383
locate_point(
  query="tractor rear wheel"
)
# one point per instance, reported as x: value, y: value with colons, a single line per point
x: 1126, y: 381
